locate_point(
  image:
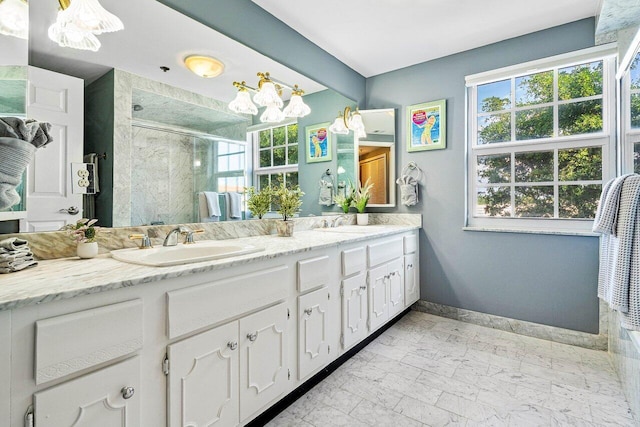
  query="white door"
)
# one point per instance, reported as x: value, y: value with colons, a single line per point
x: 411, y: 280
x: 106, y: 398
x: 313, y: 334
x: 263, y: 358
x: 203, y: 379
x: 378, y: 297
x: 395, y: 270
x: 59, y: 100
x: 354, y: 310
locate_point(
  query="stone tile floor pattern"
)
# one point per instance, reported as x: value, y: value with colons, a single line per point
x: 432, y: 371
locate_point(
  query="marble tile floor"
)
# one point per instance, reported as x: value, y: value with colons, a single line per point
x: 432, y: 371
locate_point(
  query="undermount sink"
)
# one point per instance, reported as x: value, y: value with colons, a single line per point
x: 163, y: 256
x: 352, y: 229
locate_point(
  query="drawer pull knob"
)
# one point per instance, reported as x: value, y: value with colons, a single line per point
x: 252, y: 337
x: 127, y: 392
x: 232, y: 345
x: 308, y: 311
x: 363, y: 288
x: 409, y: 266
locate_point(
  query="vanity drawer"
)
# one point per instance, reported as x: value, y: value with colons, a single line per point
x: 410, y: 244
x: 384, y: 251
x: 313, y: 272
x: 353, y: 261
x: 204, y: 305
x: 73, y: 342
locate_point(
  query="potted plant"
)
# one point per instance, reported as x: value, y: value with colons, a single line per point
x: 344, y: 200
x: 288, y: 202
x: 259, y: 202
x: 85, y: 233
x: 361, y: 197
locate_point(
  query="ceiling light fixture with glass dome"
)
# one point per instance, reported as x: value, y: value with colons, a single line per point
x: 14, y: 18
x: 79, y: 21
x: 268, y: 94
x: 348, y: 120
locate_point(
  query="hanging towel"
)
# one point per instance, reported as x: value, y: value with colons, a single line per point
x: 213, y: 204
x: 203, y: 209
x: 326, y: 193
x: 235, y: 206
x: 15, y: 155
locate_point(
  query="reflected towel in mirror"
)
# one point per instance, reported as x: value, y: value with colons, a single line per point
x: 235, y: 206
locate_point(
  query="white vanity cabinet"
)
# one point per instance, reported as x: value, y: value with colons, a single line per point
x: 226, y: 374
x: 354, y: 309
x: 411, y: 270
x: 386, y: 281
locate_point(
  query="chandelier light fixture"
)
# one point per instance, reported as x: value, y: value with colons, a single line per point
x: 79, y: 21
x: 268, y: 94
x: 348, y: 120
x: 14, y: 18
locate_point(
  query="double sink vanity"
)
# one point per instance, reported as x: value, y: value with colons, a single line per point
x: 195, y: 342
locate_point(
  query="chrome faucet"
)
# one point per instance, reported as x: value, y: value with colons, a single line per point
x: 338, y: 220
x: 172, y: 237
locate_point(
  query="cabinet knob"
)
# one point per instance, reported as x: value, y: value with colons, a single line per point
x: 308, y: 311
x: 363, y: 288
x: 252, y: 337
x: 409, y: 266
x: 232, y: 345
x: 127, y: 392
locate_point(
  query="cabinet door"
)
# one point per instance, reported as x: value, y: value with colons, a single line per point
x: 263, y: 354
x: 313, y: 334
x: 203, y: 379
x: 378, y: 297
x: 93, y: 400
x: 354, y: 310
x: 411, y: 279
x: 395, y: 271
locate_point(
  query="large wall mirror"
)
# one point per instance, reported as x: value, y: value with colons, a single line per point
x: 371, y: 158
x: 629, y: 74
x: 160, y: 137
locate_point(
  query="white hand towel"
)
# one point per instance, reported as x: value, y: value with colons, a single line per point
x: 13, y: 244
x: 213, y: 203
x: 18, y: 267
x: 235, y: 205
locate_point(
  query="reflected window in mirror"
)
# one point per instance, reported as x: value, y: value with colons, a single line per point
x: 631, y: 114
x: 275, y: 155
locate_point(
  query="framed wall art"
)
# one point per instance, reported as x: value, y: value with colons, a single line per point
x: 427, y: 126
x: 318, y: 143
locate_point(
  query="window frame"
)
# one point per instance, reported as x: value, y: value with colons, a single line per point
x: 629, y: 136
x: 604, y: 139
x: 254, y: 136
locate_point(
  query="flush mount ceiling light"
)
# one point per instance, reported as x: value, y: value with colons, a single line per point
x: 79, y: 21
x: 348, y: 120
x: 268, y: 94
x: 204, y: 66
x: 14, y: 18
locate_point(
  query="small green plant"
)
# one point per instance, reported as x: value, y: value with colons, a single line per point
x: 83, y: 231
x: 287, y: 200
x: 361, y: 196
x: 259, y: 202
x: 344, y: 200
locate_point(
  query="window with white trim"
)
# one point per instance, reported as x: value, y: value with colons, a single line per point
x: 276, y: 155
x: 631, y: 115
x: 540, y: 142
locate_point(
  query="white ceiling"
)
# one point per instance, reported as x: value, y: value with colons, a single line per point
x: 377, y: 36
x: 155, y: 35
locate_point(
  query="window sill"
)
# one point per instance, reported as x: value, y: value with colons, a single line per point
x: 533, y: 231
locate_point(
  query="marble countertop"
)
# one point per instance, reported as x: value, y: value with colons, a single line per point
x: 64, y: 278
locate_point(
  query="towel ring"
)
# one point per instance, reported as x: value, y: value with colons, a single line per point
x: 412, y: 168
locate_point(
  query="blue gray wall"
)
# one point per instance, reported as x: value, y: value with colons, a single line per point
x: 539, y: 278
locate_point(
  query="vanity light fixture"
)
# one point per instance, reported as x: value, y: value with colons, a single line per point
x: 79, y: 21
x: 204, y: 66
x: 14, y: 18
x: 268, y: 94
x: 348, y: 120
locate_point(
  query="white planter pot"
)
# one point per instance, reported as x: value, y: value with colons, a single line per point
x: 87, y: 250
x: 362, y: 219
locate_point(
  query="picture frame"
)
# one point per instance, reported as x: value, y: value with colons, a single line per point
x: 427, y: 126
x: 319, y: 143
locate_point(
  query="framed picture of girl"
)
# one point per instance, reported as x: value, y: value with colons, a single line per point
x: 318, y: 143
x: 427, y: 126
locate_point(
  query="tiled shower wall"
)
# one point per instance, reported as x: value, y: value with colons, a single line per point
x: 626, y: 359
